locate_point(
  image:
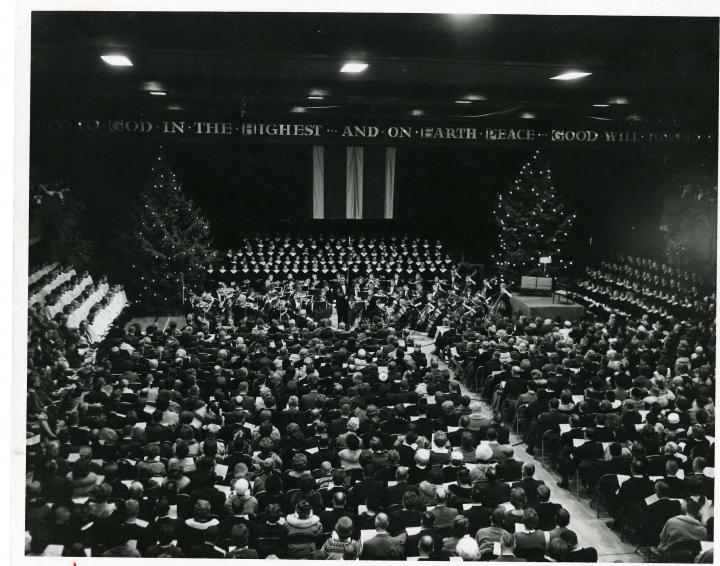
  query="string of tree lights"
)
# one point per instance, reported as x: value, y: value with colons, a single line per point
x: 533, y: 221
x: 167, y: 241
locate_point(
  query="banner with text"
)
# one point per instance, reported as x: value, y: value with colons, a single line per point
x: 425, y: 133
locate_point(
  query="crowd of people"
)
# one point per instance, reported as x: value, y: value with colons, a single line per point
x: 324, y: 257
x: 301, y: 439
x: 632, y: 286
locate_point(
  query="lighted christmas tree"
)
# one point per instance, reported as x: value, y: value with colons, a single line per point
x: 167, y: 240
x: 533, y: 222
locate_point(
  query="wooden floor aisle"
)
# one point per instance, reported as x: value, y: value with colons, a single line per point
x: 590, y: 530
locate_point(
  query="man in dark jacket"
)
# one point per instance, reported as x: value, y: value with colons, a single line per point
x: 529, y: 483
x: 510, y: 469
x: 383, y: 546
x: 588, y: 450
x: 394, y: 493
x: 659, y: 511
x: 576, y: 553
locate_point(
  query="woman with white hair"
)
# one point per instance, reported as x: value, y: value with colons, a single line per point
x: 483, y: 456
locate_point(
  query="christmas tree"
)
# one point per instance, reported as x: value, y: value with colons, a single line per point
x: 167, y: 240
x: 533, y: 222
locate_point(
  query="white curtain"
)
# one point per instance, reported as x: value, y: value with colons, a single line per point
x: 318, y: 182
x: 389, y: 182
x: 354, y: 183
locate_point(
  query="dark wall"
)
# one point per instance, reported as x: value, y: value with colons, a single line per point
x: 446, y: 193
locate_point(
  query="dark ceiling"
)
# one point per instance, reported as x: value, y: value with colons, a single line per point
x: 261, y: 64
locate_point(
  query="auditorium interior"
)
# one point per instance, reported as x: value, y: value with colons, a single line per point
x: 310, y: 286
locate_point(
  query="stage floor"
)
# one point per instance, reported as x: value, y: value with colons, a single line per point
x: 543, y: 306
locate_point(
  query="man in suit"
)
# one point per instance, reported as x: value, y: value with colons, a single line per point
x: 546, y: 511
x: 382, y: 546
x: 507, y: 549
x: 660, y: 511
x: 529, y: 483
x: 407, y: 449
x: 455, y: 436
x: 494, y: 492
x: 324, y: 454
x: 341, y: 293
x: 676, y: 486
x: 308, y: 400
x: 409, y: 516
x: 419, y: 471
x: 510, y: 469
x: 707, y: 485
x: 633, y: 491
x: 575, y: 552
x: 394, y: 494
x: 439, y: 453
x: 369, y: 485
x: 427, y: 529
x: 329, y: 517
x: 589, y: 450
x: 444, y: 515
x: 339, y: 425
x: 209, y: 548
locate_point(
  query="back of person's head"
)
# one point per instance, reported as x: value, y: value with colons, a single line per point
x: 562, y: 517
x: 240, y: 535
x: 491, y: 475
x: 460, y: 526
x: 498, y: 516
x: 303, y: 509
x: 441, y: 495
x: 543, y: 493
x: 381, y: 522
x: 491, y: 434
x: 662, y: 489
x: 528, y: 470
x: 428, y: 520
x: 530, y: 519
x: 467, y: 549
x: 353, y: 442
x: 410, y: 501
x: 426, y: 545
x: 507, y: 541
x: 558, y: 549
x: 518, y: 497
x: 339, y: 499
x: 691, y: 508
x: 401, y: 474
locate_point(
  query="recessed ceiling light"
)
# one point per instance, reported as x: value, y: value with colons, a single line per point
x: 619, y: 100
x: 174, y: 107
x: 600, y: 105
x: 315, y: 97
x: 158, y: 92
x: 462, y: 102
x: 570, y: 76
x: 474, y: 97
x: 117, y: 60
x: 297, y: 109
x: 527, y: 116
x: 353, y: 67
x: 416, y: 113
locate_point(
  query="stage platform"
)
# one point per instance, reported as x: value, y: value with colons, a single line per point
x: 543, y: 306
